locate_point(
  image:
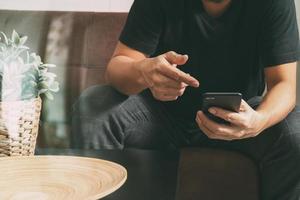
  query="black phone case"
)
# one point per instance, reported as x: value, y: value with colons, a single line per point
x: 227, y: 101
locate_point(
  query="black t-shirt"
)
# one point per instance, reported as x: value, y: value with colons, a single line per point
x: 226, y: 54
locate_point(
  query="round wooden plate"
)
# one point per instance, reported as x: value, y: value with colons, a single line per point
x: 58, y: 177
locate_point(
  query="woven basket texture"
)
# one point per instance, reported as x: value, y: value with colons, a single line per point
x: 19, y: 123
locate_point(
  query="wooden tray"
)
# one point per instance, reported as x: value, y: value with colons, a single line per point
x: 58, y: 177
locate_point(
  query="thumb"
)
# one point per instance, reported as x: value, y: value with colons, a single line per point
x: 175, y: 58
x: 244, y: 106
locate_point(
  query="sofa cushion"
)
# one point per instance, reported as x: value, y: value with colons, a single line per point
x: 212, y: 174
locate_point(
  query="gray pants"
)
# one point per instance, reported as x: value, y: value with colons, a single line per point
x: 105, y: 119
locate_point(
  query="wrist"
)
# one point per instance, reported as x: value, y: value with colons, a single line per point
x: 139, y: 69
x: 263, y: 120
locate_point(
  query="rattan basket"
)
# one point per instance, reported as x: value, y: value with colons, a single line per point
x: 19, y: 123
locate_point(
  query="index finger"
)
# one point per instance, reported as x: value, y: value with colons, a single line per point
x: 178, y: 75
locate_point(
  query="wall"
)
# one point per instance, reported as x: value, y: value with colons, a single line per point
x: 29, y: 25
x: 68, y: 5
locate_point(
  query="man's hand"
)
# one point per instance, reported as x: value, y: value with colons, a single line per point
x: 164, y: 79
x: 245, y: 124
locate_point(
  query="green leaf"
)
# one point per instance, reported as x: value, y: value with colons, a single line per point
x: 49, y: 95
x: 28, y: 96
x: 23, y: 47
x: 33, y: 55
x: 23, y: 40
x: 54, y: 87
x: 2, y: 47
x: 32, y: 76
x: 50, y: 75
x: 21, y: 61
x: 15, y: 37
x: 33, y: 83
x: 43, y: 85
x: 42, y: 91
x: 4, y: 38
x: 36, y: 58
x: 48, y: 65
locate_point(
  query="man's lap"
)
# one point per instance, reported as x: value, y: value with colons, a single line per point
x: 140, y: 116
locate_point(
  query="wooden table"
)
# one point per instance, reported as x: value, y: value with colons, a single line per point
x: 151, y: 174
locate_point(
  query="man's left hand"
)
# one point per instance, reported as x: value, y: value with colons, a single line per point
x: 247, y: 123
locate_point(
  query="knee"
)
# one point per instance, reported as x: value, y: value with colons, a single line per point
x: 293, y: 121
x: 287, y: 132
x: 293, y: 129
x: 97, y: 99
x: 286, y: 136
x: 91, y: 114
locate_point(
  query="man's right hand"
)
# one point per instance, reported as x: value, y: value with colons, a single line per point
x: 164, y: 79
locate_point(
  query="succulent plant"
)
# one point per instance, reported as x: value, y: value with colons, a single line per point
x: 23, y: 75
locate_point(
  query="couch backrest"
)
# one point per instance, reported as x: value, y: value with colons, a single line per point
x: 80, y: 44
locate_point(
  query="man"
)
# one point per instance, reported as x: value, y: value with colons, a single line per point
x: 171, y: 52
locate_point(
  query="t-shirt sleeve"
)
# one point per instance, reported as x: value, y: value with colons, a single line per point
x: 280, y: 37
x: 143, y: 26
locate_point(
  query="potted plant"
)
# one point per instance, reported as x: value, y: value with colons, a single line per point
x: 23, y: 79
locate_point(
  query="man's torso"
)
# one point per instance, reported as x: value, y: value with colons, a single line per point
x: 224, y: 52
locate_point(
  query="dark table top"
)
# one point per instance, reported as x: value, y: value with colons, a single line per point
x: 151, y: 174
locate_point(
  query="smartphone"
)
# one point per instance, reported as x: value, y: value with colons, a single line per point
x: 228, y: 101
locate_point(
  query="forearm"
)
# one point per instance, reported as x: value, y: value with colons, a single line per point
x: 278, y: 102
x: 123, y: 73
